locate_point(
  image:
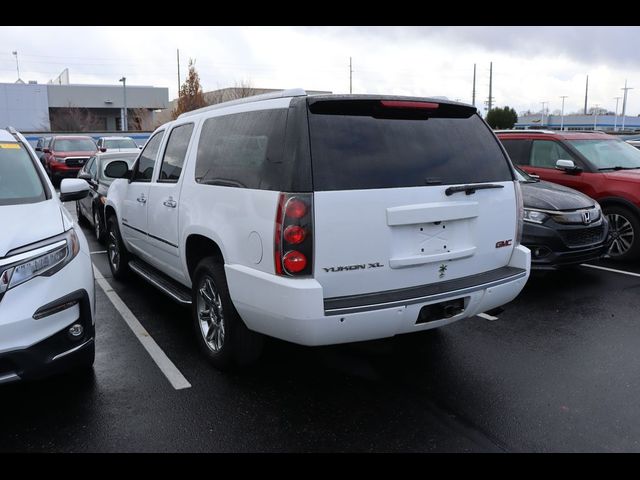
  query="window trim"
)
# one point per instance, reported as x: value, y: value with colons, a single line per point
x: 164, y: 152
x: 155, y: 162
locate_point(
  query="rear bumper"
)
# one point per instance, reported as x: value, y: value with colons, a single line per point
x: 296, y: 310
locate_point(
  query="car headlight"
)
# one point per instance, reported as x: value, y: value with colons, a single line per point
x: 44, y: 260
x: 534, y: 216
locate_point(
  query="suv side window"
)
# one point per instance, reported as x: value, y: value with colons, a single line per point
x: 174, y: 153
x: 545, y: 154
x: 242, y: 150
x: 518, y: 150
x: 144, y: 166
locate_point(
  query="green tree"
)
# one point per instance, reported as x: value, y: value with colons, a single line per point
x: 191, y: 96
x: 502, y: 118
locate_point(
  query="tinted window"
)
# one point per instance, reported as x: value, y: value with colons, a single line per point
x: 175, y: 152
x: 545, y: 153
x: 242, y: 150
x: 19, y: 180
x: 144, y: 167
x: 93, y: 168
x: 518, y: 150
x: 74, y: 145
x: 360, y: 147
x: 120, y: 143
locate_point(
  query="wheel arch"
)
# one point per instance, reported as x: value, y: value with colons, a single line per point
x: 197, y: 247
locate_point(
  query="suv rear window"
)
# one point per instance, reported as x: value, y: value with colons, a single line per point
x: 356, y: 145
x: 19, y: 180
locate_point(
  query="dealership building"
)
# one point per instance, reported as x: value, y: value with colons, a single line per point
x: 33, y: 107
x: 579, y: 122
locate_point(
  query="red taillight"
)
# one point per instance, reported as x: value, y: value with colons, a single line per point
x: 407, y: 104
x: 295, y: 208
x: 294, y: 262
x: 293, y: 229
x: 294, y: 234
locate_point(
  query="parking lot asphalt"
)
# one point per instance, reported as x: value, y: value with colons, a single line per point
x: 558, y: 371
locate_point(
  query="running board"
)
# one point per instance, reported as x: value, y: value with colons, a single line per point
x: 173, y: 290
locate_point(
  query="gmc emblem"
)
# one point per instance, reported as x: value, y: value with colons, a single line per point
x: 504, y: 243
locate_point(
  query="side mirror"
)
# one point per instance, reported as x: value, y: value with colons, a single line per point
x: 38, y: 149
x: 46, y: 150
x: 84, y: 176
x: 117, y: 169
x: 102, y: 149
x: 73, y: 189
x: 568, y: 166
x: 140, y: 147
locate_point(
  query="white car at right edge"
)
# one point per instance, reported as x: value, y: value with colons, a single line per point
x: 320, y: 219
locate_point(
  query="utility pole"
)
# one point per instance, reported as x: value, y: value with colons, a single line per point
x: 615, y: 119
x: 586, y: 91
x: 624, y: 102
x: 350, y: 76
x: 178, y: 57
x: 15, y: 52
x: 562, y: 113
x: 473, y: 95
x: 490, y: 86
x: 542, y: 117
x: 595, y: 116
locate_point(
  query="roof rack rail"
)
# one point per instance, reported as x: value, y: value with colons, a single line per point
x: 293, y: 92
x: 526, y: 130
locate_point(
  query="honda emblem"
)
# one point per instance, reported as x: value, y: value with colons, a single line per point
x: 586, y: 218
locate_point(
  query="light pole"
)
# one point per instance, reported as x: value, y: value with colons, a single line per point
x: 542, y: 117
x: 15, y: 52
x: 615, y: 119
x: 595, y: 116
x: 624, y: 102
x: 125, y: 127
x: 562, y: 113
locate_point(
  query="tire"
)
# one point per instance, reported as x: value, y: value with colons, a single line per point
x: 81, y: 218
x: 98, y: 230
x: 624, y: 227
x: 117, y: 254
x: 221, y: 334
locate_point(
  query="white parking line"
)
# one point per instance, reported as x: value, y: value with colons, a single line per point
x: 623, y: 272
x: 486, y: 316
x: 166, y: 366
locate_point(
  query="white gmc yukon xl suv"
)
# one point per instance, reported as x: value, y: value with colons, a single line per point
x: 320, y: 219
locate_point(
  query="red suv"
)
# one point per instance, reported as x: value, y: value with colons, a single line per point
x: 66, y: 155
x: 599, y: 165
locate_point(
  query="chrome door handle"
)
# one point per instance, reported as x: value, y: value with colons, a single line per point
x: 170, y: 202
x: 141, y: 199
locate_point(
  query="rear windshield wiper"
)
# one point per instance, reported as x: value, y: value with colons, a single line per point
x: 469, y: 189
x: 618, y: 167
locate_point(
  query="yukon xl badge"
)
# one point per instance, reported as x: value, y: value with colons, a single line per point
x: 504, y: 243
x: 358, y: 266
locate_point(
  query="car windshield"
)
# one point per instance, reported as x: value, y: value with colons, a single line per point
x: 120, y: 143
x: 74, y: 145
x: 19, y: 179
x: 608, y: 154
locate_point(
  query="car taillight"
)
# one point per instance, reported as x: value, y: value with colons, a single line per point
x: 293, y: 235
x: 519, y: 213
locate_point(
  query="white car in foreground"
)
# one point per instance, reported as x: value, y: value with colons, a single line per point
x: 47, y: 297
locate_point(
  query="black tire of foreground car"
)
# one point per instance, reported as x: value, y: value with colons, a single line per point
x: 81, y: 218
x: 624, y: 228
x: 221, y: 334
x: 117, y: 254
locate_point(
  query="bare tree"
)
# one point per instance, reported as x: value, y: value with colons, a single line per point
x: 74, y: 119
x: 140, y: 119
x: 191, y: 96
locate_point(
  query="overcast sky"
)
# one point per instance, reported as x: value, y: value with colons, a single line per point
x: 530, y: 64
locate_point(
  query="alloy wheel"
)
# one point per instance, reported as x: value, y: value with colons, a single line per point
x: 113, y: 251
x: 97, y: 228
x: 622, y: 234
x: 210, y: 314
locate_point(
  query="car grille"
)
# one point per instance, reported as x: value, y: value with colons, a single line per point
x: 583, y: 236
x: 75, y: 161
